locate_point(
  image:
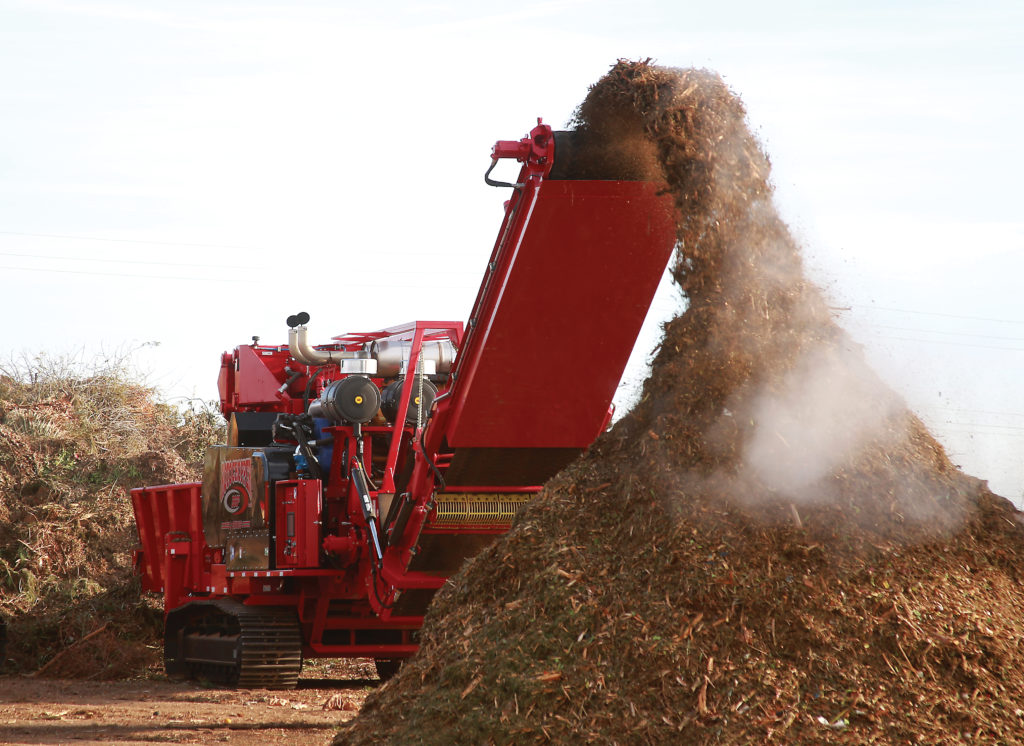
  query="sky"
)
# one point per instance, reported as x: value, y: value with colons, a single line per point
x: 176, y: 177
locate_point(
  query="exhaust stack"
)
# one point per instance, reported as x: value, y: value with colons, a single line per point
x: 304, y: 352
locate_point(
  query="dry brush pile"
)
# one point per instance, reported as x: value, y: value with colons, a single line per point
x: 74, y: 438
x: 770, y: 546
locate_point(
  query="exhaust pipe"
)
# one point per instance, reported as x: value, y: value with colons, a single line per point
x: 300, y: 349
x: 303, y: 351
x: 316, y: 357
x: 293, y: 346
x: 386, y: 357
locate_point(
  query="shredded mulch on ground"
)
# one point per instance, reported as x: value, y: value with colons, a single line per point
x: 769, y: 547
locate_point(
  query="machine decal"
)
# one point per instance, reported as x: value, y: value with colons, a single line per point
x: 236, y: 481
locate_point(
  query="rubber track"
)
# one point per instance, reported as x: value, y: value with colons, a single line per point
x: 271, y: 648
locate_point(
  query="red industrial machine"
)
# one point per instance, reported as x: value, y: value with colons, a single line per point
x: 359, y: 474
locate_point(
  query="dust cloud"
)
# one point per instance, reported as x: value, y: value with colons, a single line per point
x: 828, y: 406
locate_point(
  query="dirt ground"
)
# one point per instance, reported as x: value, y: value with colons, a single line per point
x: 155, y: 710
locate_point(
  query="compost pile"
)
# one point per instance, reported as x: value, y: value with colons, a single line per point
x: 770, y: 546
x: 73, y: 440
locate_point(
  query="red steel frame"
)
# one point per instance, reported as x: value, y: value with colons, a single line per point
x: 357, y: 599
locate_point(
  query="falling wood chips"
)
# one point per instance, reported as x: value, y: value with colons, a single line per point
x: 885, y: 610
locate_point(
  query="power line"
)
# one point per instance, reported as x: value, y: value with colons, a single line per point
x: 401, y: 254
x: 937, y: 331
x: 955, y: 344
x: 974, y: 411
x: 124, y: 261
x: 131, y: 240
x: 204, y: 265
x: 965, y: 431
x: 984, y: 424
x: 357, y: 285
x: 945, y: 315
x: 121, y: 274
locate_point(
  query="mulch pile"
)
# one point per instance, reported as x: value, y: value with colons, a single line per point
x: 769, y: 547
x: 73, y: 442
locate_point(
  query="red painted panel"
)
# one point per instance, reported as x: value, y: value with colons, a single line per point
x: 162, y: 511
x: 257, y: 382
x: 226, y: 382
x: 298, y: 516
x: 555, y: 346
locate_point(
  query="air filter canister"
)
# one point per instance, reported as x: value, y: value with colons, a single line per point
x: 354, y: 399
x: 391, y: 396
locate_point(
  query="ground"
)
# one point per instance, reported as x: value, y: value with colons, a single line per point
x: 155, y: 710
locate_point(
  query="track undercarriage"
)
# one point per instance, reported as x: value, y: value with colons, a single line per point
x: 228, y: 643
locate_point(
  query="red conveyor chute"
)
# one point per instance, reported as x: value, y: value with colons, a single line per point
x: 572, y: 276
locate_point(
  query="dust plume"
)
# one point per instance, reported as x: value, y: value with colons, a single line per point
x: 768, y: 547
x: 823, y: 411
x: 763, y: 398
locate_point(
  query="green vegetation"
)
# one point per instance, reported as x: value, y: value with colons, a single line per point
x: 74, y: 439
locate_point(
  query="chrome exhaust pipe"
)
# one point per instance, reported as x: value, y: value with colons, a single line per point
x: 300, y: 349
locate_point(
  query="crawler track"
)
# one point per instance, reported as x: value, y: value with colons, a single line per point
x: 271, y: 649
x: 228, y: 643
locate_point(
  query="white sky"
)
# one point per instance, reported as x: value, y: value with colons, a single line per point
x: 191, y: 173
